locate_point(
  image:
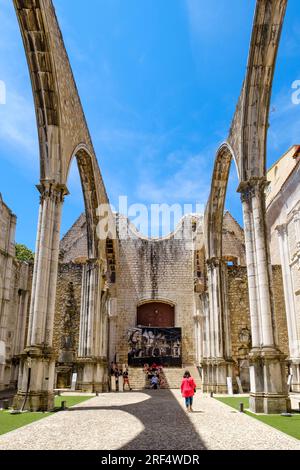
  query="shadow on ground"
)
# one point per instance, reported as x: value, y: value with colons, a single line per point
x: 166, y: 425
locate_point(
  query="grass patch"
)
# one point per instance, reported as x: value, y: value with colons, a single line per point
x: 71, y: 401
x: 288, y: 425
x: 10, y: 422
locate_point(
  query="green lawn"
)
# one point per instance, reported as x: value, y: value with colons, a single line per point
x: 10, y: 422
x: 71, y: 401
x: 288, y: 425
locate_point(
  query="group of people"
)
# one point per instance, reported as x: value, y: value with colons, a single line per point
x: 154, y: 375
x: 117, y: 372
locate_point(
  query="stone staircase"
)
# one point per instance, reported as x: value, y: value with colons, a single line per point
x: 172, y: 377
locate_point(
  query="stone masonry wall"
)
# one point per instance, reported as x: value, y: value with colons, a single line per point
x: 238, y: 304
x: 233, y: 239
x: 67, y: 304
x: 159, y: 271
x: 74, y: 243
x: 15, y: 286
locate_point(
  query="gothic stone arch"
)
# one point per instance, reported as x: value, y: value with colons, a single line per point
x: 247, y: 139
x: 62, y: 134
x: 218, y: 364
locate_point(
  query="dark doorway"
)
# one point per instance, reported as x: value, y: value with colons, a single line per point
x: 156, y: 314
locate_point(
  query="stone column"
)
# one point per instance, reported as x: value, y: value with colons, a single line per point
x: 86, y: 332
x: 220, y: 360
x: 267, y: 363
x: 20, y: 330
x: 206, y: 346
x: 102, y: 344
x: 112, y: 334
x: 36, y: 377
x: 19, y: 342
x: 291, y: 314
x: 92, y: 325
x: 198, y: 329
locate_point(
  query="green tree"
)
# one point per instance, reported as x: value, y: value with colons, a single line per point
x: 23, y: 253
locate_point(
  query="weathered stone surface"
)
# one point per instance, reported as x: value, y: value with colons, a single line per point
x: 15, y: 284
x: 246, y: 144
x: 283, y: 222
x: 117, y: 277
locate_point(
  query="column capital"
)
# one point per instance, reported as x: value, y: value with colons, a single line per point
x: 50, y: 189
x: 213, y: 262
x: 92, y: 261
x: 296, y: 214
x: 255, y: 186
x: 281, y: 229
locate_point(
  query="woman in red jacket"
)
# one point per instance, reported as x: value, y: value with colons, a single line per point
x: 188, y: 389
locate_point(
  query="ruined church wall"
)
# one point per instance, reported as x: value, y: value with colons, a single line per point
x: 15, y: 287
x: 74, y: 243
x: 155, y: 271
x: 233, y: 239
x: 69, y: 280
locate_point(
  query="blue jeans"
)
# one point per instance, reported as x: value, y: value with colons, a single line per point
x: 188, y: 401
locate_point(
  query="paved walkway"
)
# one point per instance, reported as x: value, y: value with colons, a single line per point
x: 148, y: 420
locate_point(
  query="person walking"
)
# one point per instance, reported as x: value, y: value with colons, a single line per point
x: 126, y: 379
x: 188, y: 390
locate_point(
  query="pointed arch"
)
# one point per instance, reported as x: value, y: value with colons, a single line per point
x: 214, y: 212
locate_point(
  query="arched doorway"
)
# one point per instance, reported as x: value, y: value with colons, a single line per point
x: 155, y: 338
x: 156, y: 314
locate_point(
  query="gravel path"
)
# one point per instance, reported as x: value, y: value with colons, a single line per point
x: 147, y: 420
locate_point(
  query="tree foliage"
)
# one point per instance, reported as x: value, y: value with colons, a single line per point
x: 23, y: 253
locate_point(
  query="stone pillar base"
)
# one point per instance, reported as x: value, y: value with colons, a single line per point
x: 35, y: 401
x: 85, y: 387
x: 295, y: 366
x: 93, y: 377
x: 3, y: 384
x: 101, y: 387
x: 36, y: 378
x: 269, y: 404
x: 215, y: 373
x: 269, y: 393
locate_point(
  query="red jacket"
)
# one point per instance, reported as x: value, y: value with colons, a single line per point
x: 188, y: 387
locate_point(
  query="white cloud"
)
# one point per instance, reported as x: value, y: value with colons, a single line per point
x: 17, y: 124
x: 188, y: 183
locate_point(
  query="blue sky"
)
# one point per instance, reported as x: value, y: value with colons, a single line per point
x: 159, y: 81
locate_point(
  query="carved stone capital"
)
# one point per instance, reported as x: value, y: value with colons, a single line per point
x: 213, y: 263
x: 52, y: 190
x: 296, y: 215
x: 252, y: 187
x: 296, y: 220
x: 92, y: 262
x: 281, y: 229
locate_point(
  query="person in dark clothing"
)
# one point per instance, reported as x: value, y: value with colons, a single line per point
x: 117, y: 375
x: 126, y: 379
